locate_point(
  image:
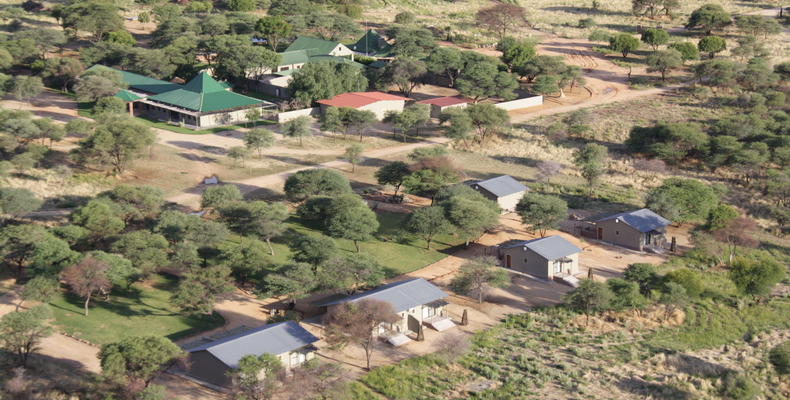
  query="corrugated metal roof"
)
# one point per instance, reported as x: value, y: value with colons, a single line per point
x: 549, y: 247
x: 644, y: 220
x: 140, y: 82
x: 372, y: 44
x: 267, y: 339
x: 359, y: 99
x: 126, y: 95
x: 293, y: 57
x: 445, y: 101
x: 502, y: 185
x: 313, y: 46
x: 402, y: 295
x: 204, y: 94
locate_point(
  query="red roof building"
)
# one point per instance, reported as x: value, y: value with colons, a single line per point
x: 377, y: 102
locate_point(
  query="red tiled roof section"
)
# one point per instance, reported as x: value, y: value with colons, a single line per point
x: 445, y: 101
x: 359, y: 99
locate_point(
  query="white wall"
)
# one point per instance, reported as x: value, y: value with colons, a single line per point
x: 521, y: 103
x: 225, y: 118
x: 381, y: 107
x: 289, y: 115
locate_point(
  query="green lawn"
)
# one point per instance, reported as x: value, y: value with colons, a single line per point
x: 143, y: 309
x: 396, y: 253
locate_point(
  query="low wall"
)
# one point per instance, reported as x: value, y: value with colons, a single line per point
x: 521, y: 103
x: 289, y: 115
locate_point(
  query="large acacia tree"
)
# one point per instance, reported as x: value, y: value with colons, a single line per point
x: 116, y: 142
x: 357, y: 323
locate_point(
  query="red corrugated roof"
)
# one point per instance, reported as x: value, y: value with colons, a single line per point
x: 359, y: 99
x: 445, y: 101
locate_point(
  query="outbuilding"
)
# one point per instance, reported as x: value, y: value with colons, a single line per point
x: 442, y: 104
x: 636, y: 230
x: 548, y: 257
x: 504, y: 190
x: 379, y: 103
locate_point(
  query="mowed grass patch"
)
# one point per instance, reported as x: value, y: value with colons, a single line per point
x: 398, y: 253
x: 142, y: 309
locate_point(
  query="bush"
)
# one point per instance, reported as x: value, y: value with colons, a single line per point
x: 779, y: 357
x: 739, y: 386
x: 689, y: 279
x: 585, y: 23
x: 599, y: 35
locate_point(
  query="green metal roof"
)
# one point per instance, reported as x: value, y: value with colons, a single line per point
x: 204, y: 94
x: 336, y: 59
x: 293, y: 57
x: 140, y: 82
x: 372, y: 44
x: 127, y: 96
x: 313, y: 46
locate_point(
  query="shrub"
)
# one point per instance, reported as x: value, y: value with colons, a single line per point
x: 689, y: 279
x: 739, y: 386
x: 585, y: 23
x: 779, y: 357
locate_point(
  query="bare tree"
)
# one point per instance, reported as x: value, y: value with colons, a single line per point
x: 501, y: 18
x: 357, y: 323
x: 86, y: 278
x: 740, y: 232
x: 549, y: 168
x: 322, y: 379
x: 653, y: 166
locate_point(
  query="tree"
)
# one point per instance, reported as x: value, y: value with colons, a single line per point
x: 459, y: 125
x: 98, y: 84
x: 405, y: 73
x: 331, y: 120
x: 117, y: 141
x: 241, y: 5
x: 293, y: 280
x: 62, y: 72
x: 41, y: 288
x: 86, y: 278
x: 487, y: 120
x: 411, y: 41
x: 248, y: 259
x: 298, y: 127
x: 197, y: 291
x: 147, y: 251
x: 691, y: 280
x: 757, y: 274
x: 412, y: 116
x: 682, y: 200
x: 779, y: 357
x: 673, y: 297
x: 469, y: 211
x: 446, y: 61
x: 237, y: 58
x: 121, y: 37
x: 625, y: 294
x: 313, y: 249
x: 315, y: 182
x: 392, y: 174
x: 717, y: 72
x: 357, y: 323
x: 720, y: 217
x: 738, y: 232
x: 549, y: 168
x: 353, y: 155
x: 589, y: 297
x: 324, y: 80
x: 350, y: 218
x: 642, y: 274
x: 591, y: 160
x: 134, y: 362
x: 708, y: 17
x: 478, y: 277
x: 351, y: 272
x: 100, y: 217
x: 94, y: 16
x: 501, y: 18
x: 109, y: 105
x: 137, y: 203
x: 353, y: 119
x: 219, y: 196
x: 237, y: 153
x: 259, y: 218
x: 18, y: 201
x: 623, y: 43
x: 120, y: 271
x: 482, y: 80
x: 655, y: 37
x: 651, y: 8
x: 405, y: 18
x: 258, y: 139
x: 517, y: 53
x: 274, y: 29
x: 664, y: 61
x: 255, y: 377
x: 22, y: 331
x: 428, y: 222
x: 711, y: 45
x: 24, y: 88
x: 546, y: 85
x: 542, y: 212
x: 688, y: 51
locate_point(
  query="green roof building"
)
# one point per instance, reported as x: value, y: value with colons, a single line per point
x: 319, y: 47
x: 372, y: 44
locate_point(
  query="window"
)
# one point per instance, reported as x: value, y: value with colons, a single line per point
x: 617, y: 232
x: 557, y: 267
x: 428, y: 312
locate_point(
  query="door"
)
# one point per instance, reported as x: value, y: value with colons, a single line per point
x: 413, y: 324
x: 600, y: 233
x: 508, y: 261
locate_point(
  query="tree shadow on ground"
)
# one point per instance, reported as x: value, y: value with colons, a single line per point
x: 656, y: 390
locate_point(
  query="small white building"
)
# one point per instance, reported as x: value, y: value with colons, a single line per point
x: 504, y: 189
x: 379, y: 103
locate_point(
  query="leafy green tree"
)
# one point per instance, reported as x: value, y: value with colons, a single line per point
x: 16, y: 202
x: 709, y: 17
x: 21, y: 332
x: 671, y: 142
x: 483, y: 80
x: 116, y: 142
x: 642, y: 274
x: 393, y: 174
x: 625, y: 294
x: 682, y: 200
x: 655, y: 37
x: 135, y: 361
x: 541, y: 212
x: 61, y: 72
x: 109, y: 105
x: 298, y: 128
x: 255, y: 377
x: 459, y: 126
x: 331, y: 120
x: 198, y: 290
x: 717, y: 72
x: 689, y: 279
x: 241, y: 5
x: 137, y: 203
x: 720, y: 217
x: 356, y: 120
x: 478, y: 277
x: 623, y: 43
x: 248, y: 259
x: 24, y: 88
x: 673, y: 297
x: 591, y: 160
x: 353, y: 155
x: 589, y: 297
x: 315, y: 182
x: 100, y: 217
x: 411, y: 41
x: 258, y: 218
x: 293, y: 280
x: 147, y: 251
x: 664, y: 61
x: 757, y: 25
x: 487, y: 120
x: 711, y: 45
x: 94, y: 16
x: 757, y: 274
x: 350, y: 273
x: 87, y: 278
x: 652, y: 8
x: 412, y: 116
x: 313, y: 249
x: 757, y: 76
x: 41, y: 288
x: 258, y: 139
x: 97, y: 84
x: 469, y: 211
x: 120, y: 271
x: 446, y: 62
x: 324, y: 80
x: 428, y: 222
x: 219, y: 196
x: 350, y: 218
x: 405, y: 73
x: 516, y: 53
x: 121, y: 37
x: 546, y: 85
x: 356, y: 323
x: 779, y: 357
x: 688, y: 51
x: 429, y: 176
x: 19, y: 242
x: 237, y: 57
x: 274, y: 29
x: 238, y: 153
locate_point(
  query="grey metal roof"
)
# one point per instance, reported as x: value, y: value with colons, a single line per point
x: 550, y: 247
x: 402, y: 295
x: 271, y: 339
x: 643, y: 220
x: 501, y: 186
